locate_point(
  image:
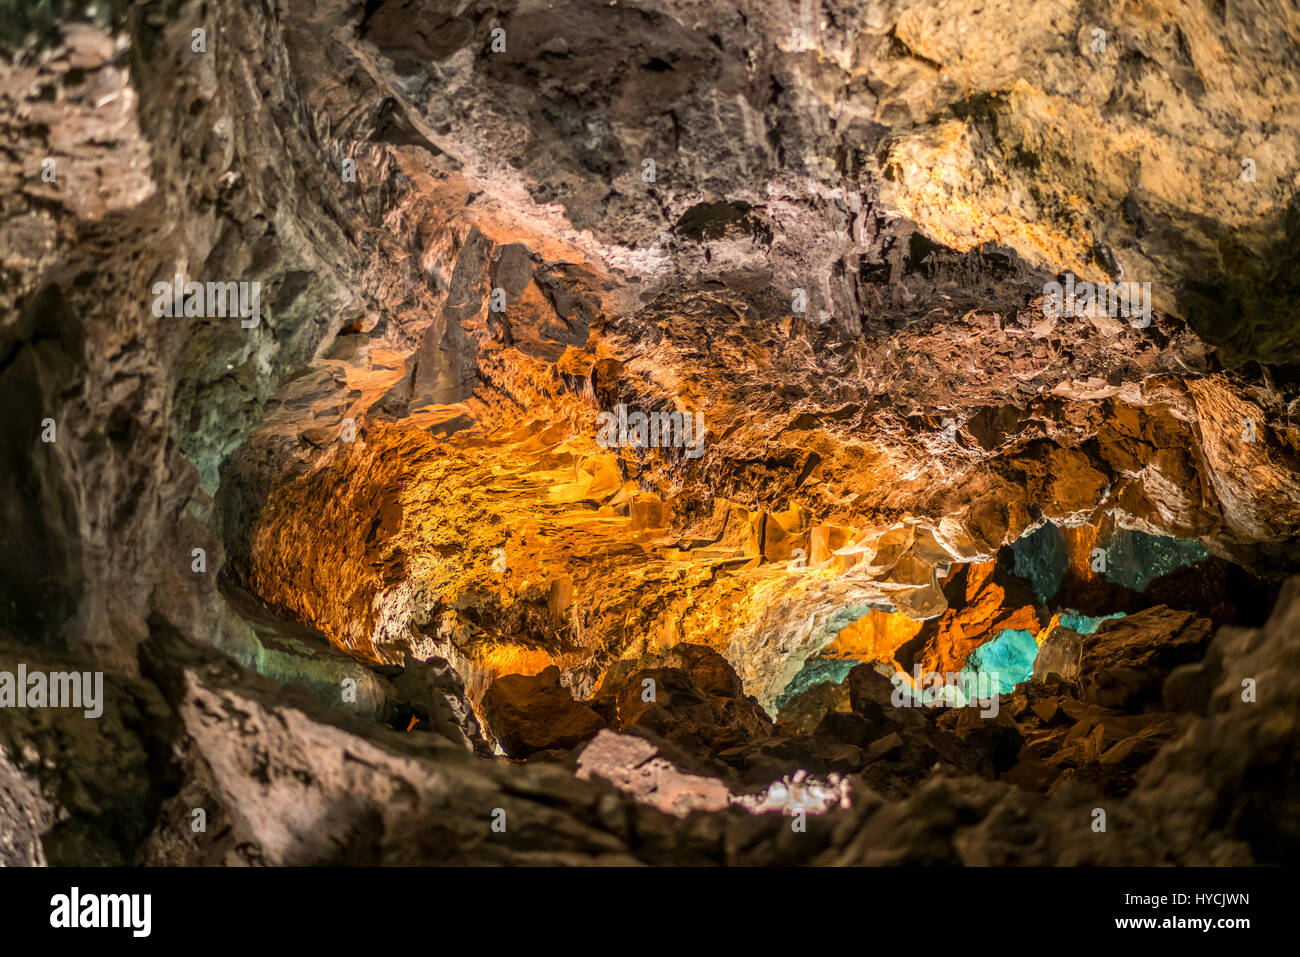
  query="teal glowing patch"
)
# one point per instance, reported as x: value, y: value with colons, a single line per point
x: 1085, y: 624
x: 1136, y: 559
x: 1040, y: 557
x: 1008, y: 659
x: 1133, y: 559
x: 814, y: 672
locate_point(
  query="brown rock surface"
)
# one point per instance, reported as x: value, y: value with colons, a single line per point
x: 839, y: 264
x: 1125, y: 662
x: 530, y: 714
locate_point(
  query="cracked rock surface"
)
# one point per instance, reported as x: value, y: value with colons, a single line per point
x: 329, y: 561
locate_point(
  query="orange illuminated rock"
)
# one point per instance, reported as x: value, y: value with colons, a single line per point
x: 826, y: 540
x: 983, y: 604
x: 531, y: 714
x: 402, y: 452
x: 877, y: 636
x: 783, y: 536
x: 648, y: 511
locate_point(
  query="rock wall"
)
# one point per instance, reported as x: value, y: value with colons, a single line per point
x: 826, y: 230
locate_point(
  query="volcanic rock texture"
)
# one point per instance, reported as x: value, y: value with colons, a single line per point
x: 332, y: 558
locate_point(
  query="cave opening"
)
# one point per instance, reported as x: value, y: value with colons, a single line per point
x: 1070, y: 627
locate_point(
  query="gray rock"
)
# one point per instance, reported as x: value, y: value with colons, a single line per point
x: 1059, y: 654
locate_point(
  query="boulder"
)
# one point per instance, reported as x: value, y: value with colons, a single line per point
x: 529, y: 714
x: 807, y: 710
x: 433, y: 692
x: 1059, y: 654
x: 1125, y: 662
x: 634, y: 765
x: 689, y: 696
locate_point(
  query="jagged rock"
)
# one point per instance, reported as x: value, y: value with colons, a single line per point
x: 915, y: 737
x: 871, y: 694
x: 630, y: 764
x: 433, y: 693
x: 82, y: 791
x: 299, y: 655
x: 983, y: 602
x: 530, y: 714
x: 1126, y: 660
x: 761, y: 762
x: 1059, y: 654
x: 885, y: 747
x: 996, y: 736
x: 849, y: 728
x: 392, y: 457
x: 809, y: 709
x: 694, y: 700
x: 27, y: 817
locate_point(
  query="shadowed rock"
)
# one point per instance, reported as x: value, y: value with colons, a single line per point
x: 530, y: 714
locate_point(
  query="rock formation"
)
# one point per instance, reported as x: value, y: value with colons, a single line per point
x: 600, y: 418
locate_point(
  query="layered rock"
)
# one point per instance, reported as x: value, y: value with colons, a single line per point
x: 836, y: 256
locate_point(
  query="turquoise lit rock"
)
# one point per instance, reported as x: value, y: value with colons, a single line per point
x: 1085, y: 624
x: 1135, y: 559
x: 814, y: 672
x: 1008, y: 659
x: 1040, y: 557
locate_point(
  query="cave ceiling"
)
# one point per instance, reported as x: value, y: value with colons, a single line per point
x: 816, y: 243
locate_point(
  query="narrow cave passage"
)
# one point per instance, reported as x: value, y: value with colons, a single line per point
x: 508, y: 581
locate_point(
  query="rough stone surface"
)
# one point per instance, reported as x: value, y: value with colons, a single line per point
x: 529, y: 714
x: 839, y: 263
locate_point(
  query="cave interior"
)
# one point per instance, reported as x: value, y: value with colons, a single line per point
x: 652, y: 432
